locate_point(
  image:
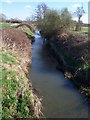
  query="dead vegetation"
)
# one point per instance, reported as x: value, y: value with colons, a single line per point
x: 72, y: 53
x: 16, y: 55
x: 17, y: 42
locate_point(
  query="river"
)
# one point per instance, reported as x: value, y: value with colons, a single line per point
x: 61, y: 99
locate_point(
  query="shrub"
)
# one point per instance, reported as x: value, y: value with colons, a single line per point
x: 54, y: 22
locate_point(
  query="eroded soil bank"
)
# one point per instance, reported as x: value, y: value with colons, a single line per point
x: 72, y: 53
x: 18, y: 97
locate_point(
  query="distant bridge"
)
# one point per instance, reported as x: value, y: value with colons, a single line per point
x: 25, y: 24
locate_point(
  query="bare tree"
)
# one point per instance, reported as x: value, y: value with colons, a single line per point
x: 28, y: 19
x: 79, y: 13
x: 40, y: 11
x: 2, y: 17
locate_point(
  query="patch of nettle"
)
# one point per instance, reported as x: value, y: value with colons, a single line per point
x: 14, y: 104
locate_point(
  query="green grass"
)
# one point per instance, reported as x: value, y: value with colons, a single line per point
x: 28, y: 32
x: 7, y: 58
x: 11, y: 104
x: 11, y: 83
x: 84, y: 30
x: 7, y: 25
x: 8, y: 84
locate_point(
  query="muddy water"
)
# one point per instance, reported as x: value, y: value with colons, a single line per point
x: 60, y: 97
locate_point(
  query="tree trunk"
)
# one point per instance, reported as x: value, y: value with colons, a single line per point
x: 78, y: 26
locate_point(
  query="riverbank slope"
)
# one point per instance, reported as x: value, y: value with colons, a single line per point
x: 18, y: 98
x: 72, y: 53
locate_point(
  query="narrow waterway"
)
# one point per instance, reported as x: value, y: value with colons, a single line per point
x: 60, y: 97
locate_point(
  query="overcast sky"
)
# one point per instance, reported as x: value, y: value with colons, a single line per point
x: 25, y: 8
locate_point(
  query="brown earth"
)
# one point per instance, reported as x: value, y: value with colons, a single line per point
x: 72, y: 52
x: 17, y: 42
x: 76, y: 45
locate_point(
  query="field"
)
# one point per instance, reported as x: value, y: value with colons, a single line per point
x: 7, y: 25
x: 84, y: 30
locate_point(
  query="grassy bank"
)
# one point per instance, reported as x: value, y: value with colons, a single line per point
x: 28, y: 32
x: 18, y: 97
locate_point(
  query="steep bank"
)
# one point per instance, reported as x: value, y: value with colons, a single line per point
x: 72, y: 53
x: 18, y: 98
